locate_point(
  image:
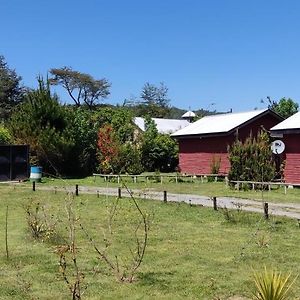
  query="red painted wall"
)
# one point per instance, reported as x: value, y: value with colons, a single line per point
x: 196, y: 154
x: 292, y: 156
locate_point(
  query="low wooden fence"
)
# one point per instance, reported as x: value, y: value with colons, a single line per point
x: 268, y: 184
x: 162, y: 196
x: 161, y: 178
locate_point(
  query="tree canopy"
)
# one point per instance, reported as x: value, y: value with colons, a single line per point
x: 43, y: 123
x: 153, y: 101
x: 81, y: 87
x: 11, y: 90
x: 159, y: 151
x: 285, y: 107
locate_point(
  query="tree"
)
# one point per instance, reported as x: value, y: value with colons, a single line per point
x: 81, y: 87
x: 159, y: 151
x: 120, y: 118
x: 43, y: 123
x: 285, y: 107
x: 118, y: 150
x: 155, y: 101
x: 252, y: 160
x: 11, y: 90
x: 109, y: 150
x: 84, y: 129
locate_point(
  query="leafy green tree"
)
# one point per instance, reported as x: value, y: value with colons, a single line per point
x: 251, y: 160
x: 120, y: 119
x: 11, y: 90
x: 132, y: 159
x: 81, y: 87
x: 43, y: 123
x: 159, y: 151
x: 84, y: 128
x: 285, y: 107
x: 119, y: 150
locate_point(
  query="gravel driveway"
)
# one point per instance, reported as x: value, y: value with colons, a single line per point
x: 290, y: 210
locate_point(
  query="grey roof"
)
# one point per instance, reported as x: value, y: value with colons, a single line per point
x: 163, y: 125
x: 221, y: 123
x: 292, y: 122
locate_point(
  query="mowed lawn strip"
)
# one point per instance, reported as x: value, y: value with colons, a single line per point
x: 193, y: 252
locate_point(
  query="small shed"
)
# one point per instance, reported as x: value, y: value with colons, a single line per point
x: 206, y: 141
x: 14, y: 162
x: 288, y: 131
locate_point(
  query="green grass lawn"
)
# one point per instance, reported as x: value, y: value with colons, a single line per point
x: 188, y: 186
x: 193, y: 252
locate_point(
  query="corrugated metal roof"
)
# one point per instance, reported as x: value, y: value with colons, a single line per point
x: 292, y: 122
x: 163, y: 125
x: 221, y: 123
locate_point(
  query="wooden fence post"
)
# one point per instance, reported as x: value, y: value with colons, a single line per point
x: 33, y: 186
x: 76, y: 190
x: 266, y: 210
x: 215, y: 203
x: 165, y: 196
x: 119, y: 193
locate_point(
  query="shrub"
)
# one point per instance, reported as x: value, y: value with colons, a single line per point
x: 109, y: 154
x: 40, y: 222
x: 132, y: 158
x: 251, y: 160
x: 159, y: 151
x: 272, y: 285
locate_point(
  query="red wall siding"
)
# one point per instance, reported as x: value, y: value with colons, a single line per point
x: 196, y: 154
x: 292, y: 154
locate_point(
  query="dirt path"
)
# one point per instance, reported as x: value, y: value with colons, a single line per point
x: 290, y: 210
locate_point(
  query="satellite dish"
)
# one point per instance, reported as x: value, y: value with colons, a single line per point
x: 277, y: 147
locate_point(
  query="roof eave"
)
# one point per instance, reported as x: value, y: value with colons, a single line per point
x: 255, y: 118
x: 275, y: 132
x: 196, y: 136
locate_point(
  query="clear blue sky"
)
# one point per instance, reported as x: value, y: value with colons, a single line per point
x: 229, y: 52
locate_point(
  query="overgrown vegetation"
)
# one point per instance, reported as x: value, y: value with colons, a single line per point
x: 159, y: 151
x: 44, y: 124
x: 41, y: 223
x: 74, y: 141
x: 251, y: 160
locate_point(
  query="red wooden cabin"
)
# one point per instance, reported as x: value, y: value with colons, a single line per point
x: 207, y: 139
x: 289, y: 132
